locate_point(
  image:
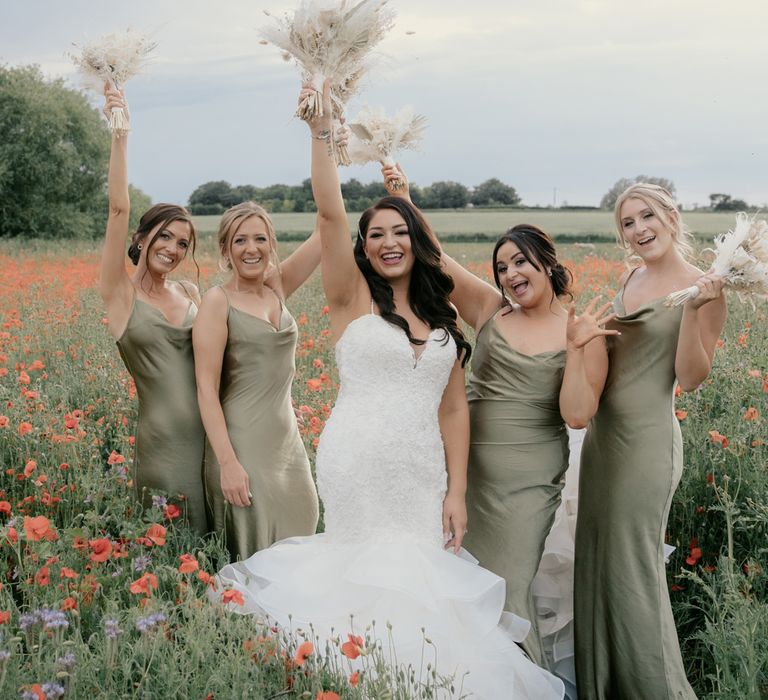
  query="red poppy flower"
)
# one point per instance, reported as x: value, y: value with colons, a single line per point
x: 171, y: 512
x: 101, y: 548
x: 42, y: 577
x: 305, y: 650
x: 232, y: 596
x: 39, y: 528
x: 751, y: 414
x: 146, y: 584
x: 353, y: 648
x: 188, y: 564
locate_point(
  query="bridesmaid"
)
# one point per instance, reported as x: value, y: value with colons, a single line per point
x: 632, y: 460
x: 257, y: 475
x: 151, y: 316
x: 536, y: 366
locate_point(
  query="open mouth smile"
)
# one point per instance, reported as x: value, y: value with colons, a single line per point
x: 391, y: 258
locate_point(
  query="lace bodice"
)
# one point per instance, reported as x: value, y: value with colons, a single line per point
x: 380, y: 462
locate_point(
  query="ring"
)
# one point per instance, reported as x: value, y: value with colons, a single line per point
x: 250, y: 495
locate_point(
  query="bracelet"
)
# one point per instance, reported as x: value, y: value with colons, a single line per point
x: 324, y: 135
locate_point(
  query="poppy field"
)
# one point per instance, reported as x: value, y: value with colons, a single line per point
x: 100, y: 599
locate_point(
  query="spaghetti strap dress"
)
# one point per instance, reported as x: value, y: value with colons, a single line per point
x: 256, y: 377
x: 518, y: 457
x: 631, y: 464
x: 170, y: 438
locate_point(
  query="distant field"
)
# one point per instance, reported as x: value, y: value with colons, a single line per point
x: 579, y: 224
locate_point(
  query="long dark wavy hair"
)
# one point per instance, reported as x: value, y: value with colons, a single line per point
x: 539, y: 250
x: 429, y: 286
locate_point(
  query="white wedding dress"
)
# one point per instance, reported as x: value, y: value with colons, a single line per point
x: 382, y: 478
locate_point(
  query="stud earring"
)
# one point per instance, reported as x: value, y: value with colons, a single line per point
x: 140, y: 246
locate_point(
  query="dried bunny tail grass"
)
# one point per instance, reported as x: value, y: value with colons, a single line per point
x: 377, y: 137
x: 741, y: 257
x: 330, y: 39
x: 113, y: 58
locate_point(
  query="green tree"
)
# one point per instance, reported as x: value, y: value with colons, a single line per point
x: 140, y: 202
x: 53, y: 158
x: 724, y: 202
x: 609, y: 198
x: 445, y: 195
x: 494, y: 192
x: 212, y: 197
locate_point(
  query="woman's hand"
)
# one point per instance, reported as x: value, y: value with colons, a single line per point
x: 588, y: 325
x: 710, y: 288
x: 320, y: 126
x: 395, y: 181
x: 341, y: 135
x: 454, y: 521
x: 114, y: 99
x: 234, y: 485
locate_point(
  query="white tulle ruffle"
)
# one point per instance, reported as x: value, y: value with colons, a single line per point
x: 340, y: 588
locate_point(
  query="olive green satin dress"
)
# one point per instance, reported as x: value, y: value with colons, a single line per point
x: 518, y: 456
x: 256, y: 377
x: 631, y: 463
x: 170, y: 438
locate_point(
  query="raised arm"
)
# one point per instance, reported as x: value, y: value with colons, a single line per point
x: 475, y: 299
x: 343, y: 282
x: 114, y: 284
x: 586, y: 363
x: 701, y: 325
x: 209, y: 339
x: 299, y: 265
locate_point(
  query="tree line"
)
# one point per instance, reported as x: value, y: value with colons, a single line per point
x: 54, y: 154
x: 215, y: 196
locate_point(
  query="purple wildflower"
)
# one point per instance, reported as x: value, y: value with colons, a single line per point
x: 112, y: 628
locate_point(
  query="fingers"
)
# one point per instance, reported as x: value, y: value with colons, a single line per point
x: 601, y: 311
x: 590, y: 308
x: 458, y: 538
x: 342, y: 135
x: 605, y: 319
x: 238, y: 494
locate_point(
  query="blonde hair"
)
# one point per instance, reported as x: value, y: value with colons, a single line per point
x: 663, y: 205
x: 232, y: 219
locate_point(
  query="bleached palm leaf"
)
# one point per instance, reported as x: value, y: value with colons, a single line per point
x: 116, y: 58
x: 330, y: 39
x: 741, y: 257
x: 377, y: 137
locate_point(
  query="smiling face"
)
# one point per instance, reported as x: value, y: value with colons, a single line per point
x: 523, y: 283
x: 250, y: 248
x: 388, y: 245
x: 169, y: 243
x: 645, y: 231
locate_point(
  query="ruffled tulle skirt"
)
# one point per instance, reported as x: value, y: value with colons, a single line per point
x: 417, y: 589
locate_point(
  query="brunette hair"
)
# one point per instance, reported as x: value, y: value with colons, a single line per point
x: 160, y: 215
x: 429, y: 286
x: 539, y: 250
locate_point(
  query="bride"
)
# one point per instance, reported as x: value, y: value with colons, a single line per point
x: 391, y: 464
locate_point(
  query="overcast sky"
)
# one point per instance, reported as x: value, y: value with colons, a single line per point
x: 558, y: 98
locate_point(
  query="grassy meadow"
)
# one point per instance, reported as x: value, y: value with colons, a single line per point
x: 99, y: 599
